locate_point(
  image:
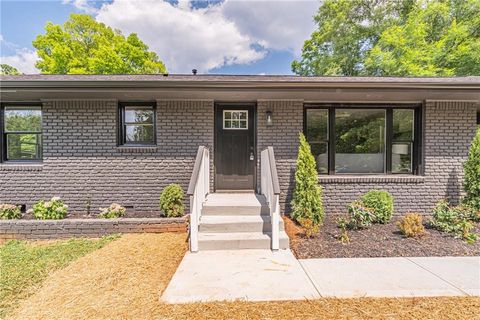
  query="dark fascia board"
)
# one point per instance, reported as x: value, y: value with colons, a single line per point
x: 233, y: 82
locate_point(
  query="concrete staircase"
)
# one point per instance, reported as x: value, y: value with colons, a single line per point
x: 237, y: 221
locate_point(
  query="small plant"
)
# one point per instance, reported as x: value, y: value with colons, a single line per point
x: 309, y: 227
x: 381, y: 202
x: 411, y: 225
x: 455, y: 220
x: 114, y: 211
x: 9, y: 211
x: 343, y: 225
x: 307, y: 196
x: 53, y: 209
x: 472, y: 175
x: 171, y: 201
x: 360, y: 217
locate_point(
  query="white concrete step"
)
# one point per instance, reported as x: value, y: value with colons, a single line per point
x: 235, y: 204
x: 249, y: 223
x: 239, y: 240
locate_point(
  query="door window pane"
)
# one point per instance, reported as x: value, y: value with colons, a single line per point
x: 22, y: 146
x: 359, y: 141
x: 235, y: 119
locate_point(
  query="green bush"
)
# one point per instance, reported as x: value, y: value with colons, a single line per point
x: 9, y: 211
x: 454, y: 219
x: 359, y: 216
x: 381, y: 202
x: 472, y: 175
x: 114, y: 211
x: 53, y: 209
x: 171, y: 201
x: 307, y: 196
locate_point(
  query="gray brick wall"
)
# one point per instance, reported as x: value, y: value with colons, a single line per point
x: 82, y: 160
x: 68, y: 228
x: 449, y: 128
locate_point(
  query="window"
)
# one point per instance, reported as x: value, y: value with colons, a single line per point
x: 363, y: 139
x: 235, y: 119
x: 137, y: 124
x: 21, y: 130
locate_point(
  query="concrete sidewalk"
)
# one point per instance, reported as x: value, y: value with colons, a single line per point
x: 263, y: 275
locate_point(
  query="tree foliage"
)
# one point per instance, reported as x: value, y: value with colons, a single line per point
x: 472, y: 174
x: 307, y: 196
x: 393, y: 38
x: 85, y: 46
x: 8, y: 70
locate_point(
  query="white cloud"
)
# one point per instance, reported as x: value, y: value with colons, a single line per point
x: 23, y: 59
x: 184, y: 37
x: 277, y: 24
x: 82, y: 5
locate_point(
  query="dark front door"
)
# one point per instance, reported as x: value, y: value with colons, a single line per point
x: 235, y: 147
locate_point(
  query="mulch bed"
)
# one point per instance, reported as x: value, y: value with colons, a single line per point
x: 380, y: 240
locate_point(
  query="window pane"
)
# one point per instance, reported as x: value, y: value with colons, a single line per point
x: 139, y: 115
x: 228, y: 115
x: 23, y: 119
x: 21, y: 146
x: 403, y: 120
x: 139, y: 133
x: 359, y: 141
x: 402, y: 157
x: 317, y: 125
x: 320, y: 153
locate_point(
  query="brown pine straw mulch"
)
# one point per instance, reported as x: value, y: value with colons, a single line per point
x: 124, y: 280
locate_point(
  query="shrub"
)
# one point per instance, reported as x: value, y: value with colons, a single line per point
x: 381, y: 202
x: 360, y: 217
x: 171, y: 201
x: 307, y: 196
x: 343, y: 225
x: 9, y: 211
x: 472, y: 175
x: 309, y: 227
x: 114, y: 211
x: 455, y: 220
x: 53, y: 209
x: 411, y: 225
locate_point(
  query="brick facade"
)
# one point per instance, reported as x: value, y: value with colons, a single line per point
x: 75, y: 228
x: 448, y: 129
x: 82, y: 161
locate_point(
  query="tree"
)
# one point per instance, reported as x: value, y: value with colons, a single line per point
x: 85, y: 46
x: 394, y: 38
x: 347, y: 30
x: 8, y: 70
x: 472, y: 174
x: 307, y: 196
x: 439, y: 38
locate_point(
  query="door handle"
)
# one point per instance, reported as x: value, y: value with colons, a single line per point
x: 252, y: 156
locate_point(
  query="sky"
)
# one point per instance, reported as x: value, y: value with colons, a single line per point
x: 215, y: 36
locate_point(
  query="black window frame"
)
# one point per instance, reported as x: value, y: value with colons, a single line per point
x: 121, y: 138
x: 388, y: 107
x: 4, y: 134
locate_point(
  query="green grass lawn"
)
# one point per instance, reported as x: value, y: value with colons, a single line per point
x: 24, y: 265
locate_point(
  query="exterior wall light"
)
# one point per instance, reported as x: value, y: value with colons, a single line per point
x: 269, y: 118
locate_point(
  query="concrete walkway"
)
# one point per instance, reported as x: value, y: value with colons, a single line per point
x: 262, y: 275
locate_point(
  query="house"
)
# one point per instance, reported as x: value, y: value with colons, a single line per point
x: 94, y: 140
